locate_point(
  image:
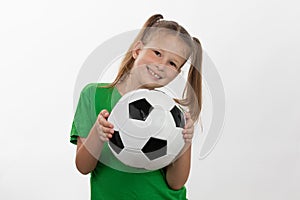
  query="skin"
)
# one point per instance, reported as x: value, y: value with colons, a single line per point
x: 156, y: 64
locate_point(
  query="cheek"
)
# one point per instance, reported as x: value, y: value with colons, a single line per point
x: 173, y: 74
x: 146, y: 57
x: 140, y: 61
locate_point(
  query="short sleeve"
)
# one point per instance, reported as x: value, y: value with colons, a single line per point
x: 85, y: 115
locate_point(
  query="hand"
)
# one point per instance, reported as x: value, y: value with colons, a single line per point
x: 104, y: 127
x: 188, y: 131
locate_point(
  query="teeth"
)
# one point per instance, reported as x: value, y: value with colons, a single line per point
x: 155, y: 75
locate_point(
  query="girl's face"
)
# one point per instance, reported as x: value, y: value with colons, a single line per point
x: 158, y: 62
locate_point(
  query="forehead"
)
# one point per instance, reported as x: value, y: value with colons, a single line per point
x: 170, y: 43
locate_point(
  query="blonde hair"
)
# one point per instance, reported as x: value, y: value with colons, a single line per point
x: 192, y: 94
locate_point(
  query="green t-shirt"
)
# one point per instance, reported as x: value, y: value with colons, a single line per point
x: 111, y: 179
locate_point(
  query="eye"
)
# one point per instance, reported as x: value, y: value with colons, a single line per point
x: 157, y: 53
x: 173, y: 64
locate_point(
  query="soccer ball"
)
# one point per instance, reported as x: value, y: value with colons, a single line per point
x: 148, y: 128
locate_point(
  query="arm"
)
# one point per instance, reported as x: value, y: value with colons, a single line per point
x: 89, y: 149
x: 177, y: 172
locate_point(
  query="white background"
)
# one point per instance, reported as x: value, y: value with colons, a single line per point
x: 254, y: 45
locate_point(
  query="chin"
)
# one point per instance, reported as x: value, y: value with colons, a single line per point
x: 152, y: 86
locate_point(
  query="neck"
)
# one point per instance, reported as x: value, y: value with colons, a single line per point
x: 124, y: 86
x: 128, y: 84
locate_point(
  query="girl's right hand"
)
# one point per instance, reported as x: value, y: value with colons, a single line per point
x: 104, y: 127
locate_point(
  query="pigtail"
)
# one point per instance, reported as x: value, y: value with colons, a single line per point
x: 192, y: 94
x: 128, y: 60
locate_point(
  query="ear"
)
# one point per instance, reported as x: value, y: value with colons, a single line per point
x: 137, y: 48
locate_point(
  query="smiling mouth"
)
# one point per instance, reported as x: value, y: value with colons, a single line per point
x: 152, y: 73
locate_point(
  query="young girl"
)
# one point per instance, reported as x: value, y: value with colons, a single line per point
x: 153, y: 60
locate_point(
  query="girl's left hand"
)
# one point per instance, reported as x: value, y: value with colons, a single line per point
x: 188, y: 131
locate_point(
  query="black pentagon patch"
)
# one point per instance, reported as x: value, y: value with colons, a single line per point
x: 140, y: 109
x: 155, y: 148
x: 178, y: 117
x: 116, y: 142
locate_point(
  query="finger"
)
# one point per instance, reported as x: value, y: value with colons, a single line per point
x: 104, y: 113
x: 107, y: 136
x: 190, y: 130
x: 188, y: 136
x: 189, y: 124
x: 187, y: 115
x: 103, y: 138
x: 102, y: 121
x: 107, y: 130
x: 189, y: 121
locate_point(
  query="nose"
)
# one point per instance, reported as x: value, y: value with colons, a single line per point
x: 162, y: 64
x: 159, y: 67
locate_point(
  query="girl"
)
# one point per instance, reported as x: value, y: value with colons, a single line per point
x: 153, y: 60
